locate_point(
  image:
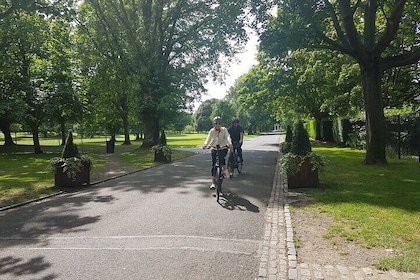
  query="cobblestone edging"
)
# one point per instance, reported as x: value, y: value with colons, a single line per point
x: 274, y: 263
x: 278, y: 255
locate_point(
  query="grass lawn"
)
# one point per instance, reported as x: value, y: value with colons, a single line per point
x: 372, y: 205
x: 25, y: 175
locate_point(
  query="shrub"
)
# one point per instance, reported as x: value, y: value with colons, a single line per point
x: 300, y: 140
x: 70, y: 149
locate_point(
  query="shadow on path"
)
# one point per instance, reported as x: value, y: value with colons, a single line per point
x: 232, y: 201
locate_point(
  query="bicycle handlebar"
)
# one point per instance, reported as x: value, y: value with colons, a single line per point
x: 217, y: 147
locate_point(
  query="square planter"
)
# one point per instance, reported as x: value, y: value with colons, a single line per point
x: 82, y: 177
x: 159, y: 156
x: 305, y: 178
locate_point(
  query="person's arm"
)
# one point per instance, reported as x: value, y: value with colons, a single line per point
x: 241, y: 135
x: 207, y: 141
x: 229, y: 140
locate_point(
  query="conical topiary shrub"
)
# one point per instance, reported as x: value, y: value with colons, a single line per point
x: 287, y: 144
x: 71, y: 169
x: 289, y: 134
x: 300, y: 140
x: 300, y: 163
x: 70, y: 149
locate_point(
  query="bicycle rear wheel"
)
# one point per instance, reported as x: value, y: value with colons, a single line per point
x: 231, y: 165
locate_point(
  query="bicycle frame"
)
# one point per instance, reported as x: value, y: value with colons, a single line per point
x: 234, y: 161
x: 217, y: 171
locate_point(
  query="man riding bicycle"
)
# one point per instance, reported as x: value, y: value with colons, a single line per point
x: 218, y: 135
x: 237, y: 135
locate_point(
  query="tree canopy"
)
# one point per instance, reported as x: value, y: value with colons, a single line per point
x: 378, y: 35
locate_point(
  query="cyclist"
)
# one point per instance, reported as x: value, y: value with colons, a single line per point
x: 237, y: 135
x: 218, y: 135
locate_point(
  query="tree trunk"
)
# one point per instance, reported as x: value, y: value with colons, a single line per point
x: 35, y: 137
x: 126, y: 131
x: 318, y: 120
x: 5, y: 128
x: 375, y: 119
x: 151, y: 128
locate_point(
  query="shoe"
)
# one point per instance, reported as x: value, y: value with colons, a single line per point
x: 212, y: 186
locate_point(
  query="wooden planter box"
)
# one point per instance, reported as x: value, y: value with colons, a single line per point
x: 305, y: 178
x: 82, y: 177
x: 159, y: 156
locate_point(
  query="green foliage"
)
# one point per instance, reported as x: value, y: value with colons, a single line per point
x: 310, y: 128
x: 70, y: 149
x: 291, y: 162
x: 289, y: 134
x: 299, y: 150
x: 202, y: 116
x: 341, y: 26
x: 166, y: 150
x: 300, y: 141
x: 70, y: 165
x: 285, y: 147
x: 71, y: 162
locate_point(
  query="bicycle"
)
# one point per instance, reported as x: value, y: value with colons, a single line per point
x: 217, y: 171
x: 234, y: 161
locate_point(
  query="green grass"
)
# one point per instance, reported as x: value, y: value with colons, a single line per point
x: 25, y: 175
x: 372, y: 205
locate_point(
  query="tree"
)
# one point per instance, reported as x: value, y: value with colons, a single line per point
x: 63, y: 102
x: 26, y: 50
x: 202, y: 117
x: 316, y: 84
x: 224, y: 109
x: 378, y: 35
x: 171, y: 46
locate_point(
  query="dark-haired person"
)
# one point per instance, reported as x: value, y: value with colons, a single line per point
x: 237, y: 136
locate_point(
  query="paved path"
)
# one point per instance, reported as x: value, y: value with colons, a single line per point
x: 159, y: 223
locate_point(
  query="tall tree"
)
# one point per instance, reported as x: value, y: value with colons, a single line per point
x: 379, y: 35
x: 63, y: 104
x: 202, y: 117
x: 171, y: 46
x: 316, y: 84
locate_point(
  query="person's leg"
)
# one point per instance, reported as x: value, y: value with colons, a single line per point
x: 239, y: 148
x: 222, y: 156
x: 213, y: 163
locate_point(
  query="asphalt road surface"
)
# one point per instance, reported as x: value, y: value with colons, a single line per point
x: 160, y: 223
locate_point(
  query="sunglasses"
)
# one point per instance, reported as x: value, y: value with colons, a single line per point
x: 217, y: 123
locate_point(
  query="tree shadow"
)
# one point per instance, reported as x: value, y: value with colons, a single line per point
x: 58, y: 215
x: 20, y: 267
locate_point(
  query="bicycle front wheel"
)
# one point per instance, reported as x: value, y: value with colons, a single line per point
x: 239, y: 163
x: 219, y: 180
